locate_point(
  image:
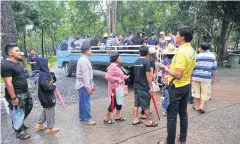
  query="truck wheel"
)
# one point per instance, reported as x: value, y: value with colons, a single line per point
x: 67, y: 70
x: 131, y: 79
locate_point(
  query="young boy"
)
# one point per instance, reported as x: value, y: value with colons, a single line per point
x: 46, y: 86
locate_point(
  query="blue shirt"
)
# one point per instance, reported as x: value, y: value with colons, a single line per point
x: 205, y: 64
x: 151, y: 41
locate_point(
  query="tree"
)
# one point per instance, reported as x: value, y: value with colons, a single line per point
x: 8, y: 26
x: 228, y: 13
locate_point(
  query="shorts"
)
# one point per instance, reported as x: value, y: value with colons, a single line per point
x: 201, y: 90
x: 142, y: 99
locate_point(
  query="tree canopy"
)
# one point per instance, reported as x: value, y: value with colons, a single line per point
x: 216, y: 22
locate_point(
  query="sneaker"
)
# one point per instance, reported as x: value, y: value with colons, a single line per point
x: 164, y: 113
x: 90, y: 122
x: 52, y: 130
x: 39, y: 127
x: 142, y: 116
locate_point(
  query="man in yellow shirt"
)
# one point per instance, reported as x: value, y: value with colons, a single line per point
x: 179, y: 85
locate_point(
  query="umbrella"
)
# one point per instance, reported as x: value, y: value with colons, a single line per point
x: 113, y: 99
x: 60, y: 98
x: 155, y: 106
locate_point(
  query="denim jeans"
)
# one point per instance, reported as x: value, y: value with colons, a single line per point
x: 178, y: 105
x: 84, y: 105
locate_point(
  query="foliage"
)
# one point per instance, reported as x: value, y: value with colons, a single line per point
x: 71, y: 18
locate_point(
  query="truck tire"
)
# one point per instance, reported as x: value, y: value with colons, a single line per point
x: 68, y: 71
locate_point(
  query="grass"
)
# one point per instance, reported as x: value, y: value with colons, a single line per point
x: 51, y: 60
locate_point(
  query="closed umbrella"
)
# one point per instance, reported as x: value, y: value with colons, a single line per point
x: 155, y: 106
x: 60, y: 99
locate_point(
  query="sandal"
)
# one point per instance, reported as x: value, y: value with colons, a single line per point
x: 108, y: 121
x: 22, y: 135
x: 120, y: 119
x: 201, y: 110
x: 151, y: 124
x: 139, y: 122
x: 195, y: 108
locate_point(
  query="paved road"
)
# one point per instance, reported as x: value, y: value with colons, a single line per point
x: 220, y: 125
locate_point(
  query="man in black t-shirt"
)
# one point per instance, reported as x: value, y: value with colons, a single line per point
x: 142, y: 87
x: 16, y: 86
x: 137, y: 40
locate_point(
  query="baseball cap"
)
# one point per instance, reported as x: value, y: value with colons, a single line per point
x: 162, y: 33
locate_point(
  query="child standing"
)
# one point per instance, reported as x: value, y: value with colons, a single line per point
x: 46, y: 86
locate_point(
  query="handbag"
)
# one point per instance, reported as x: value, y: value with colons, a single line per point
x: 166, y: 100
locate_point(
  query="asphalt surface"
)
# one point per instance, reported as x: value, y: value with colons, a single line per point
x: 220, y: 125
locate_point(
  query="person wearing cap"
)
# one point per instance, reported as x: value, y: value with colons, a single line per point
x: 179, y: 76
x: 143, y: 88
x: 115, y: 77
x: 104, y: 39
x: 84, y: 84
x: 162, y: 40
x: 153, y: 40
x: 114, y: 39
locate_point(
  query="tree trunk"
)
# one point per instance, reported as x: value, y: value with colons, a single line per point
x: 24, y: 40
x: 53, y: 45
x: 223, y: 40
x: 44, y: 41
x: 42, y: 44
x: 8, y: 26
x: 112, y: 16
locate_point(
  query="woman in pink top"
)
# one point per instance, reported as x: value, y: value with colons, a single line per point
x: 114, y: 76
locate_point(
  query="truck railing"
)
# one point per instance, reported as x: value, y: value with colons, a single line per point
x: 105, y: 49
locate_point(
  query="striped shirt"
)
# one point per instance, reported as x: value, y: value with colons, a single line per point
x: 205, y: 64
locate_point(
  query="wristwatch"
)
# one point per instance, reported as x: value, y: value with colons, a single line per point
x: 13, y: 98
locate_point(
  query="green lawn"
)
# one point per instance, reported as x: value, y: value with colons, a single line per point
x: 51, y: 61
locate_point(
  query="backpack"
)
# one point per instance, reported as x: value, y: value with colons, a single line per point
x: 165, y: 74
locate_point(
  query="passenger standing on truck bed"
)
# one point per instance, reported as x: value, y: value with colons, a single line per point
x: 84, y: 84
x: 137, y: 40
x: 95, y: 40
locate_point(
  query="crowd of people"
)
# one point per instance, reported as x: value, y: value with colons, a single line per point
x: 140, y: 38
x: 182, y: 68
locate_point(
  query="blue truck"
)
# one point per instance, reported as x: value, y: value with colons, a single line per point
x: 68, y: 55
